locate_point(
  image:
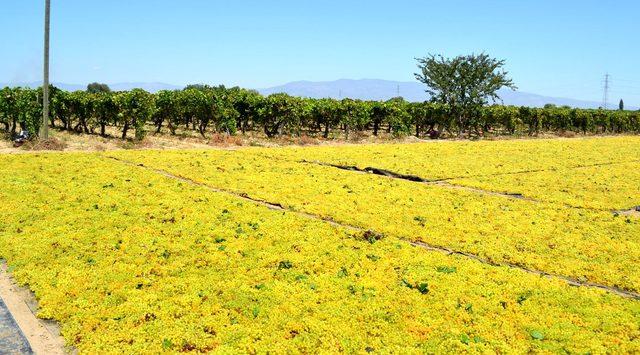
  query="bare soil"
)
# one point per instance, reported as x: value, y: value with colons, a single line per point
x: 186, y: 139
x: 70, y: 141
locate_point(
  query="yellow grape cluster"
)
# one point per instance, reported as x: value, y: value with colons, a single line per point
x: 599, y: 173
x: 131, y: 261
x: 611, y: 187
x: 459, y: 159
x: 586, y: 245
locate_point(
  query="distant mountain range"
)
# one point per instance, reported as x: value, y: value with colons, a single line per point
x: 374, y: 89
x: 151, y: 87
x: 364, y: 89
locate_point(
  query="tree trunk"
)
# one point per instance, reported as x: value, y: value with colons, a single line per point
x: 461, y: 127
x: 125, y: 128
x: 267, y: 132
x: 14, y: 126
x: 202, y: 127
x: 102, y: 129
x: 326, y: 130
x: 376, y: 125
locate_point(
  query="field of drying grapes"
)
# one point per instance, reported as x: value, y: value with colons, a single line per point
x: 499, y: 246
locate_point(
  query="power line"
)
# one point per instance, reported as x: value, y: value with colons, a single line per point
x: 628, y: 80
x: 614, y: 84
x: 625, y: 92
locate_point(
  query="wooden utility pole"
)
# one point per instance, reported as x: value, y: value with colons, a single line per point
x: 44, y: 131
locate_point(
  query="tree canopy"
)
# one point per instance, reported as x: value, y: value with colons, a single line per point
x: 95, y: 88
x: 464, y: 83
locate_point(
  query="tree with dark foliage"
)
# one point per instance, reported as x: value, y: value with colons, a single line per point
x: 95, y: 88
x: 464, y: 83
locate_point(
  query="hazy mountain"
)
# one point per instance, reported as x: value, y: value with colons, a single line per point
x: 35, y: 84
x: 365, y: 89
x: 151, y: 87
x: 374, y: 89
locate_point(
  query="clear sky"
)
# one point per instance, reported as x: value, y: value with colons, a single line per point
x: 556, y: 48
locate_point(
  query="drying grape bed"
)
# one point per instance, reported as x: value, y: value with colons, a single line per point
x: 271, y: 249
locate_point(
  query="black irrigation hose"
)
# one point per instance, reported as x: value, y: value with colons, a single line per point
x: 580, y: 166
x: 443, y: 182
x: 414, y: 178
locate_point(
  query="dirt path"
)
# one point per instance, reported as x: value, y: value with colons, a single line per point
x: 43, y: 336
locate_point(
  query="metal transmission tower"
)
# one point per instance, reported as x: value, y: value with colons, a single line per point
x: 44, y: 131
x: 605, y: 95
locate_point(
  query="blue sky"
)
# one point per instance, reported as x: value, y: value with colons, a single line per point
x: 556, y: 48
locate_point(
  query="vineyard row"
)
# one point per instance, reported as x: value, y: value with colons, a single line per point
x: 230, y: 110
